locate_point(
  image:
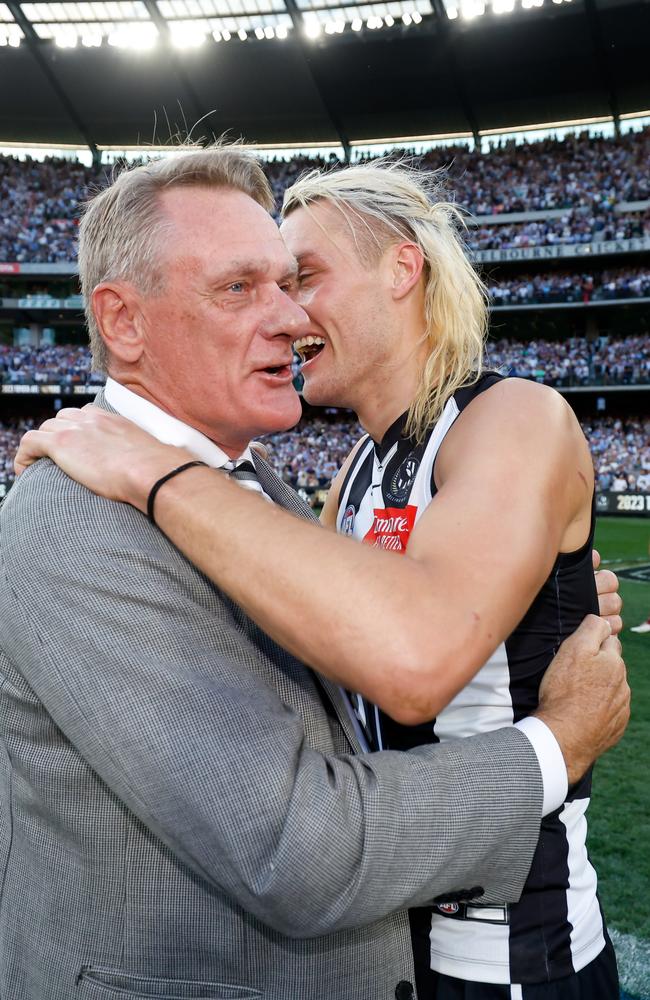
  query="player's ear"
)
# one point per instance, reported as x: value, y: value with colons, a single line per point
x: 408, y: 264
x: 116, y: 308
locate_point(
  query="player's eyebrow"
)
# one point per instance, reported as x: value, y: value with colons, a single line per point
x: 290, y: 272
x: 308, y: 256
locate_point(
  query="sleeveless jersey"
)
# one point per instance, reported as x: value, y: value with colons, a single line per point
x: 557, y: 927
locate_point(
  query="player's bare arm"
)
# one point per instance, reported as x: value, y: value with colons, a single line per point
x: 407, y: 632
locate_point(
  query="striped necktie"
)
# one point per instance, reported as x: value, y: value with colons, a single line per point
x: 244, y: 472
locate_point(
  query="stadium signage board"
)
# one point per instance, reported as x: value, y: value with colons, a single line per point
x: 22, y: 390
x: 601, y: 249
x: 631, y: 504
x: 40, y: 389
x: 74, y: 302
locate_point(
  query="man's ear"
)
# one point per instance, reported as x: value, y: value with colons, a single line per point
x: 408, y: 264
x: 116, y: 306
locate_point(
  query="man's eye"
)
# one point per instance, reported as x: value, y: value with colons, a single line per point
x: 304, y: 276
x: 237, y: 286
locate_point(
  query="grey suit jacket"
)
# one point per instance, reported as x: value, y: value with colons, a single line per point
x: 182, y: 813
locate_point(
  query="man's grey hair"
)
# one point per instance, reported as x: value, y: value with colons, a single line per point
x: 122, y: 228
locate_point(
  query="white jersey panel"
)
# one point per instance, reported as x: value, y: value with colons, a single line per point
x: 483, y: 705
x: 485, y: 947
x: 583, y: 911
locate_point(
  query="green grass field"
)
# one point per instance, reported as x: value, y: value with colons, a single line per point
x: 619, y: 815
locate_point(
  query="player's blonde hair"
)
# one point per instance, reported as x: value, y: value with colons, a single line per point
x: 385, y: 202
x: 122, y: 228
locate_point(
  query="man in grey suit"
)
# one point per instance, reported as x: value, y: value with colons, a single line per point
x: 183, y: 813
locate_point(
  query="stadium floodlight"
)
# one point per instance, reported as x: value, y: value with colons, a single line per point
x: 281, y: 31
x: 65, y: 36
x: 504, y: 6
x: 389, y: 20
x: 91, y: 36
x: 416, y: 17
x: 356, y: 24
x: 472, y: 8
x: 406, y: 17
x: 312, y: 29
x: 133, y: 36
x: 11, y: 35
x: 259, y: 32
x: 242, y: 34
x: 186, y: 34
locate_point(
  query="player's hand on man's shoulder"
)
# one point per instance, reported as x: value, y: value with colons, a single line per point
x: 102, y: 451
x: 584, y: 696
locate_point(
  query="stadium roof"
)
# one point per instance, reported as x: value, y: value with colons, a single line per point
x: 319, y: 71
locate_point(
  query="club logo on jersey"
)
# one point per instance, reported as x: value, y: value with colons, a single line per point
x: 347, y: 521
x: 391, y: 528
x: 448, y: 908
x: 402, y: 479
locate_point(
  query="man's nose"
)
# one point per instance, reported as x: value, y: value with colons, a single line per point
x: 288, y: 316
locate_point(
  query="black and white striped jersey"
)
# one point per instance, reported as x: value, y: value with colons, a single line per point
x: 557, y: 927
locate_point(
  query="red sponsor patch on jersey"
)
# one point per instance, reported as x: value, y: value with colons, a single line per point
x: 391, y: 528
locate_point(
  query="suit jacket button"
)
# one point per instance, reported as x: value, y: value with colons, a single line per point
x: 404, y: 991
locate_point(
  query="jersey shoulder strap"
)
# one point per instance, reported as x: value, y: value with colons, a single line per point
x: 467, y: 393
x: 354, y: 465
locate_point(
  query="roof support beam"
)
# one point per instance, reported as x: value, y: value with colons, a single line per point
x: 296, y: 20
x: 36, y: 48
x: 444, y: 35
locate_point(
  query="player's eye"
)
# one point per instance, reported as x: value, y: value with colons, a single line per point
x: 237, y: 286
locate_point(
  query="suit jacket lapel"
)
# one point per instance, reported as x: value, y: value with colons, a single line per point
x: 278, y: 490
x: 285, y: 497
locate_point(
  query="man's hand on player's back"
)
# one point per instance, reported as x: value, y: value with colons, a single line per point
x: 585, y: 697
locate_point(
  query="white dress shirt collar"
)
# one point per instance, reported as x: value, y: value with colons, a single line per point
x: 164, y: 427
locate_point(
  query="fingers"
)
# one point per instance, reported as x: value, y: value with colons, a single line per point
x: 34, y: 445
x: 612, y: 645
x: 606, y: 581
x: 69, y: 413
x: 609, y: 603
x: 592, y: 632
x: 595, y: 558
x: 615, y: 623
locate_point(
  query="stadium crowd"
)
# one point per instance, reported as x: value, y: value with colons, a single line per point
x: 587, y: 178
x: 61, y: 364
x: 578, y: 172
x: 574, y: 227
x: 311, y: 454
x: 576, y: 361
x: 570, y: 286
